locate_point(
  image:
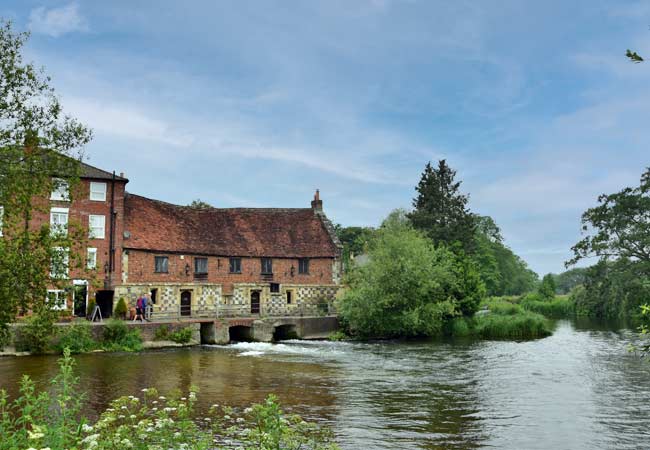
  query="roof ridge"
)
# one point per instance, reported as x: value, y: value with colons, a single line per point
x: 211, y: 208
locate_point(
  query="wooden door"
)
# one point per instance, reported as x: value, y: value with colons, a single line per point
x: 255, y: 302
x: 186, y: 303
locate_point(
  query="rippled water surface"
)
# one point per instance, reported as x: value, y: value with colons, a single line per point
x: 578, y: 389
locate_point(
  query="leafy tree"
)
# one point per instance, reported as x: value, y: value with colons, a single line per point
x: 37, y: 142
x: 410, y: 286
x: 440, y: 209
x: 547, y: 287
x: 569, y: 279
x: 200, y: 204
x: 354, y: 240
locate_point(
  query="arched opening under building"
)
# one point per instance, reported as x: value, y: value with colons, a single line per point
x: 285, y: 332
x: 240, y: 333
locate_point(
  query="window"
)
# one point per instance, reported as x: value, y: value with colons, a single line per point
x: 161, y: 264
x: 91, y: 259
x: 2, y: 213
x: 97, y: 226
x: 60, y: 190
x: 275, y: 288
x: 56, y: 299
x: 200, y: 265
x: 98, y: 191
x: 235, y: 265
x: 289, y: 297
x: 154, y: 295
x: 59, y: 263
x: 59, y: 221
x: 267, y: 266
x: 303, y: 265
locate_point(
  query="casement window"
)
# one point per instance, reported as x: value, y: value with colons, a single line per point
x: 97, y: 226
x: 2, y: 214
x: 59, y: 263
x: 275, y: 288
x: 97, y: 191
x: 56, y: 299
x: 235, y: 265
x: 267, y: 266
x: 303, y: 266
x: 59, y: 221
x: 289, y: 297
x: 91, y: 259
x: 200, y: 266
x: 60, y: 190
x: 161, y: 264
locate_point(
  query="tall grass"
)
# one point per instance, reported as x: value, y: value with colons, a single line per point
x: 520, y: 326
x: 558, y: 308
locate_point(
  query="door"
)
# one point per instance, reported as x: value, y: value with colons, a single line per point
x: 79, y: 296
x: 186, y: 303
x: 255, y: 302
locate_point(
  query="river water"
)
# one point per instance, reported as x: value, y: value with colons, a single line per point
x: 577, y: 389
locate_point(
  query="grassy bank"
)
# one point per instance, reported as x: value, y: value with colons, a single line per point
x: 559, y: 307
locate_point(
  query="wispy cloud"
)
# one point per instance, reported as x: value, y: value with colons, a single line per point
x: 56, y: 22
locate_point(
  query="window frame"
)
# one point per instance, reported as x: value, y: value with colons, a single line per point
x: 91, y: 234
x: 156, y: 258
x: 274, y: 288
x: 269, y: 262
x: 231, y: 265
x: 66, y: 264
x: 58, y: 306
x: 303, y: 266
x: 196, y: 260
x: 103, y: 193
x: 60, y: 193
x: 91, y: 251
x: 290, y: 296
x: 2, y: 216
x: 59, y: 229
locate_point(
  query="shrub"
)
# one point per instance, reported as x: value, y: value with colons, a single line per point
x: 503, y: 307
x: 37, y: 333
x: 559, y: 307
x: 115, y: 330
x: 182, y: 335
x: 460, y: 327
x: 338, y: 336
x: 120, y: 308
x: 91, y: 307
x: 524, y: 325
x: 5, y: 336
x: 76, y: 337
x: 118, y: 337
x: 161, y: 333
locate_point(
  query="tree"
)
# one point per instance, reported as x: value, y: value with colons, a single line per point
x: 409, y: 286
x: 200, y: 204
x: 619, y: 227
x: 39, y: 153
x: 569, y: 279
x: 547, y: 287
x: 440, y: 210
x: 354, y: 240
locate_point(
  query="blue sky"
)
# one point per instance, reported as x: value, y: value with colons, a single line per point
x: 258, y: 103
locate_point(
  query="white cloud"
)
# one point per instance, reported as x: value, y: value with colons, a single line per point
x: 57, y: 21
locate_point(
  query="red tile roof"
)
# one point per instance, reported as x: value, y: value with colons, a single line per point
x: 259, y: 232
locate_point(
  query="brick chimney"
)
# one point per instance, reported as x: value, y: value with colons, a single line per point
x: 317, y: 203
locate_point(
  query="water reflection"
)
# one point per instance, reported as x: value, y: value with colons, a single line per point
x: 576, y: 389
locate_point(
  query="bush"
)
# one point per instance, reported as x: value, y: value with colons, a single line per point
x: 120, y: 308
x: 502, y: 307
x: 37, y: 333
x: 558, y: 307
x: 524, y: 325
x: 90, y: 308
x: 118, y: 337
x: 77, y: 337
x: 5, y: 335
x: 182, y: 335
x: 161, y: 333
x: 338, y: 336
x: 460, y: 327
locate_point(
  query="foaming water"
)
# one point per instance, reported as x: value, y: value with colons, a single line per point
x: 577, y: 389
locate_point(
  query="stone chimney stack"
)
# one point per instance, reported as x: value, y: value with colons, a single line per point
x: 317, y: 203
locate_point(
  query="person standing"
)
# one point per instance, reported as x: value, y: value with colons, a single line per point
x: 138, y: 308
x: 144, y: 307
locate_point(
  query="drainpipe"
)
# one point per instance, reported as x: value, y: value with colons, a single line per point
x: 111, y: 252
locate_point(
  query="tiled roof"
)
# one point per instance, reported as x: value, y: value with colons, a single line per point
x: 88, y: 171
x: 258, y: 232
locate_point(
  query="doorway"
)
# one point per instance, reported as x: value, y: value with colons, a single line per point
x: 80, y: 297
x: 104, y: 300
x: 186, y: 303
x: 255, y: 302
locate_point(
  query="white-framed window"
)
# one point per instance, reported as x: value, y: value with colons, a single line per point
x: 97, y: 226
x: 91, y: 259
x: 2, y: 214
x: 59, y: 220
x: 59, y: 265
x: 97, y: 191
x: 60, y: 190
x: 56, y: 299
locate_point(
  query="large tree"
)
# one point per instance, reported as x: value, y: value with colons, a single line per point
x: 440, y: 209
x: 39, y: 153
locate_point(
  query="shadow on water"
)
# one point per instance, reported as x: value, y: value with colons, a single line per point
x: 577, y: 389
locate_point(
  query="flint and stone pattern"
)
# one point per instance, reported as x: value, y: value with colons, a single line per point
x: 208, y: 300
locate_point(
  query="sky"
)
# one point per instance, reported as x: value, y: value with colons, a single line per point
x: 259, y: 103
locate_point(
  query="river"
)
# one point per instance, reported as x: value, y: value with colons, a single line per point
x: 577, y: 389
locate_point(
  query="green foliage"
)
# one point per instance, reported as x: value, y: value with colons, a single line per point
x: 338, y: 335
x: 120, y: 308
x: 40, y: 419
x: 90, y: 308
x: 36, y: 335
x: 182, y: 335
x: 409, y: 287
x: 566, y: 281
x: 161, y: 333
x: 557, y: 307
x: 355, y: 241
x: 200, y: 204
x: 77, y: 338
x: 502, y: 307
x: 547, y: 287
x: 440, y: 210
x: 633, y: 56
x: 118, y: 337
x: 520, y: 326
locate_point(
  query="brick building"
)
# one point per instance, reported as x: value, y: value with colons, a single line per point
x: 210, y: 262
